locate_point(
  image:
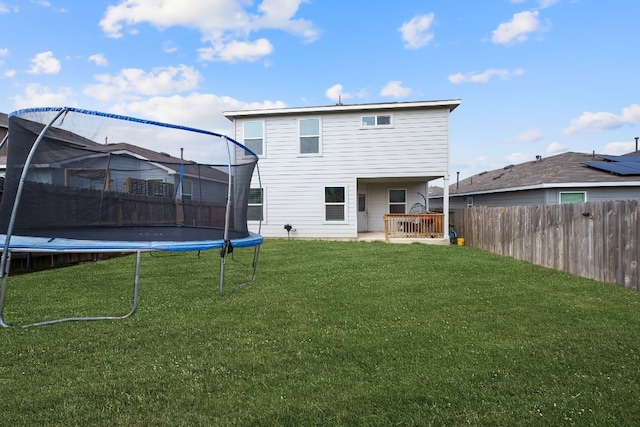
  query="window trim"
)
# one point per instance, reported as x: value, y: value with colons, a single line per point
x: 377, y: 125
x: 561, y: 193
x: 263, y: 204
x: 389, y: 203
x: 319, y: 135
x: 183, y: 191
x: 263, y: 154
x: 469, y: 201
x: 344, y: 203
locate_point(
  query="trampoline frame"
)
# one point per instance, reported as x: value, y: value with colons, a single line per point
x: 60, y: 245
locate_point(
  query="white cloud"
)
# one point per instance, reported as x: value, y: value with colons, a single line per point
x: 484, y: 77
x: 9, y: 73
x: 6, y: 9
x: 336, y: 94
x: 226, y: 25
x: 279, y: 14
x: 531, y: 135
x: 4, y: 52
x: 619, y: 148
x: 600, y: 121
x: 99, y: 60
x: 517, y: 158
x: 547, y: 3
x: 36, y: 95
x: 199, y: 110
x: 395, y: 89
x: 555, y: 147
x: 518, y: 29
x: 44, y: 63
x: 131, y: 83
x: 169, y: 46
x: 236, y: 51
x: 415, y: 33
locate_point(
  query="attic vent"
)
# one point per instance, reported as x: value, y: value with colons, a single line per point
x: 499, y: 176
x: 165, y: 154
x: 482, y: 173
x: 538, y: 157
x: 508, y: 167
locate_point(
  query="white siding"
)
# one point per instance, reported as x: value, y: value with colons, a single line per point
x: 415, y: 146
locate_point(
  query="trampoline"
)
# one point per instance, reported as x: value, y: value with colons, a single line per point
x: 81, y: 181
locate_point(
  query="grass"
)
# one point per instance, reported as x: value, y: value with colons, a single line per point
x: 331, y: 333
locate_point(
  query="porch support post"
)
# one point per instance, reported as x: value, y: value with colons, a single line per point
x: 445, y: 206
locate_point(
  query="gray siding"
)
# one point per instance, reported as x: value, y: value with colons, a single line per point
x: 547, y: 196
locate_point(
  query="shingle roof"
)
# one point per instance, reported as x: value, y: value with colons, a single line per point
x: 560, y: 169
x: 174, y: 163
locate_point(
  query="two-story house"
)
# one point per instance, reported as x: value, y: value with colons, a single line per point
x: 335, y: 171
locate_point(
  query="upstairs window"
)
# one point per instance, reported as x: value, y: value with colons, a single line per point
x: 309, y: 130
x: 254, y: 136
x: 377, y: 120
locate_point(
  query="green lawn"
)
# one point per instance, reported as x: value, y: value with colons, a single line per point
x: 331, y: 333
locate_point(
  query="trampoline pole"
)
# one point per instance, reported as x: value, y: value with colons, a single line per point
x: 5, y: 262
x: 227, y: 215
x: 5, y: 139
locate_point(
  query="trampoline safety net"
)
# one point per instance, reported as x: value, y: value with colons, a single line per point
x: 97, y: 176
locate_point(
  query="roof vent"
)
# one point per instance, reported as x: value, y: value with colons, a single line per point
x: 538, y: 157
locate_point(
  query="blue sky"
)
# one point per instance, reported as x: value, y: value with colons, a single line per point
x: 536, y: 77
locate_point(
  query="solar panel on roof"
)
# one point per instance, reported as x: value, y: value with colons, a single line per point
x: 619, y: 168
x: 635, y: 159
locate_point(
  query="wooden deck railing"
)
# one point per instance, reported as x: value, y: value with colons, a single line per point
x: 425, y: 225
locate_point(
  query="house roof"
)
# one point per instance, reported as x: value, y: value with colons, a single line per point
x: 170, y: 162
x: 173, y: 163
x: 562, y: 170
x: 451, y: 104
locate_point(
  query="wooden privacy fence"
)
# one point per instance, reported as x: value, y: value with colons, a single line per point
x: 596, y: 240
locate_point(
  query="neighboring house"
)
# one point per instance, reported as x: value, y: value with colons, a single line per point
x: 335, y: 171
x: 563, y: 178
x: 168, y: 177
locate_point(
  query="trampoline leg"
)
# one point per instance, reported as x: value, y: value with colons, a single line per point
x: 222, y: 262
x: 256, y: 254
x: 4, y: 267
x: 134, y: 304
